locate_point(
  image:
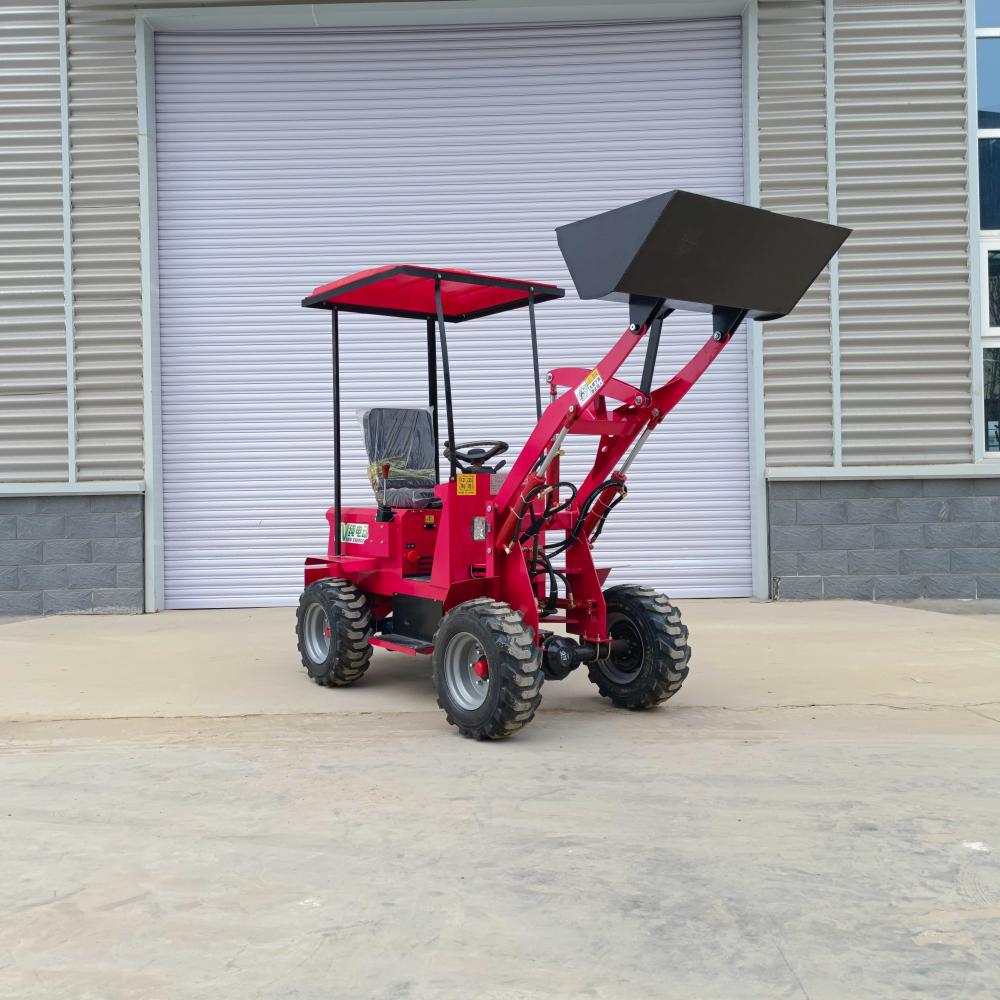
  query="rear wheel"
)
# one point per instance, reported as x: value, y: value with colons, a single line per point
x: 487, y: 669
x: 650, y: 661
x: 333, y: 626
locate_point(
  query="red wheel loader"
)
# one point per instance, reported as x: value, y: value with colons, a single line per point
x: 475, y: 567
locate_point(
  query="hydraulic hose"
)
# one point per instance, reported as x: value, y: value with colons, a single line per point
x: 534, y: 530
x: 603, y: 505
x: 593, y: 513
x: 574, y: 533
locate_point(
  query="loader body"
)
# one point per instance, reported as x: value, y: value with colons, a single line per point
x: 485, y: 567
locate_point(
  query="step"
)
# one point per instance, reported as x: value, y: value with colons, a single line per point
x: 402, y: 643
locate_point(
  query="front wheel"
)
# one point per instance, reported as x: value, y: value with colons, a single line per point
x: 333, y: 626
x: 487, y: 669
x: 651, y: 652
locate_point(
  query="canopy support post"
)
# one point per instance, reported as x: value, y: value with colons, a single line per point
x: 432, y: 394
x: 335, y: 338
x: 534, y: 352
x: 449, y: 413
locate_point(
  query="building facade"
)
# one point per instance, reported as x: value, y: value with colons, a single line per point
x: 176, y: 176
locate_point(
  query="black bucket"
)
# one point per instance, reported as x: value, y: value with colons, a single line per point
x: 698, y: 253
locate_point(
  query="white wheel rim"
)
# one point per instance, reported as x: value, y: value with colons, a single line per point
x: 316, y: 632
x: 465, y: 687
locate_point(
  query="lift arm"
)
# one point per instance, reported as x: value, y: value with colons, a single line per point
x: 583, y: 410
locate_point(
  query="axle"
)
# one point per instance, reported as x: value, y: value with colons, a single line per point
x: 563, y: 655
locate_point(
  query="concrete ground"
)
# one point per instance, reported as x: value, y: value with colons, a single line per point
x: 816, y: 815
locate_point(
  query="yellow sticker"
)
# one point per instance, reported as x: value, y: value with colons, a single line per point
x: 589, y: 387
x: 429, y: 519
x: 466, y: 485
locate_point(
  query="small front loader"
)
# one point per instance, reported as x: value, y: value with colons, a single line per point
x: 475, y: 567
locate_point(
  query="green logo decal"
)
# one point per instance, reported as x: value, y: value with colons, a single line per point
x: 355, y: 533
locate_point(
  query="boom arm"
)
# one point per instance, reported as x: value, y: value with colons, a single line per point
x: 584, y: 411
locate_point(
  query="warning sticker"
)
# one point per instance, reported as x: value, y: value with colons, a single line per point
x: 587, y: 389
x: 466, y: 484
x: 354, y: 533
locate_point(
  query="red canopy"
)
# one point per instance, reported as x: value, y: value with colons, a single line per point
x: 408, y: 290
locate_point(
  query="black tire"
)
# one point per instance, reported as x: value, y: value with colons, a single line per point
x: 346, y: 653
x: 655, y: 665
x: 512, y: 691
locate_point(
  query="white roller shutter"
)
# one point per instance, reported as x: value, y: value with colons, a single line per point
x: 288, y: 159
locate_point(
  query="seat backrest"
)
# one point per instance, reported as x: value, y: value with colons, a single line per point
x: 405, y: 439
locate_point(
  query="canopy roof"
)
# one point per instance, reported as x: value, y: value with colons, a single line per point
x: 408, y: 290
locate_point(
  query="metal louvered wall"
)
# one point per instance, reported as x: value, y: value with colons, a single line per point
x: 106, y: 273
x: 798, y: 390
x: 33, y: 428
x: 291, y: 157
x: 904, y: 274
x: 899, y: 107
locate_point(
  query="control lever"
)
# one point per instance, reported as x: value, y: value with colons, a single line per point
x: 384, y: 512
x: 385, y: 482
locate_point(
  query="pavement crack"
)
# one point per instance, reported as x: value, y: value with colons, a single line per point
x: 51, y: 901
x: 982, y: 715
x: 918, y: 706
x: 798, y: 706
x: 784, y: 958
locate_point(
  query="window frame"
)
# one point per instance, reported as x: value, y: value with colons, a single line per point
x: 989, y: 343
x: 988, y: 239
x: 989, y: 242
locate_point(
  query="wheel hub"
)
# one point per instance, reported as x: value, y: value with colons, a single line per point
x: 466, y: 671
x: 627, y: 652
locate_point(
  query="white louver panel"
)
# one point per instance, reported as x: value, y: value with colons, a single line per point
x: 33, y: 425
x: 288, y: 159
x: 904, y: 274
x: 106, y: 275
x: 798, y: 398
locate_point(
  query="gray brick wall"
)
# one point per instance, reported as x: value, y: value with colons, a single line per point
x: 885, y: 539
x: 74, y: 554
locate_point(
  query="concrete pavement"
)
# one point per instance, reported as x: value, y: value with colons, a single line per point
x: 745, y: 655
x: 816, y: 815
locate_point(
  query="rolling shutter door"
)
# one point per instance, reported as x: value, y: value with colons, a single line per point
x: 288, y: 159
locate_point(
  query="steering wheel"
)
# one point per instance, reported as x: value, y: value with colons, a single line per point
x: 475, y: 453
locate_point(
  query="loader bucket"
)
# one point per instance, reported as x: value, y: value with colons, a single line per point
x: 698, y: 253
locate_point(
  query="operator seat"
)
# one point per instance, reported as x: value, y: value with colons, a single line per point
x: 405, y: 439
